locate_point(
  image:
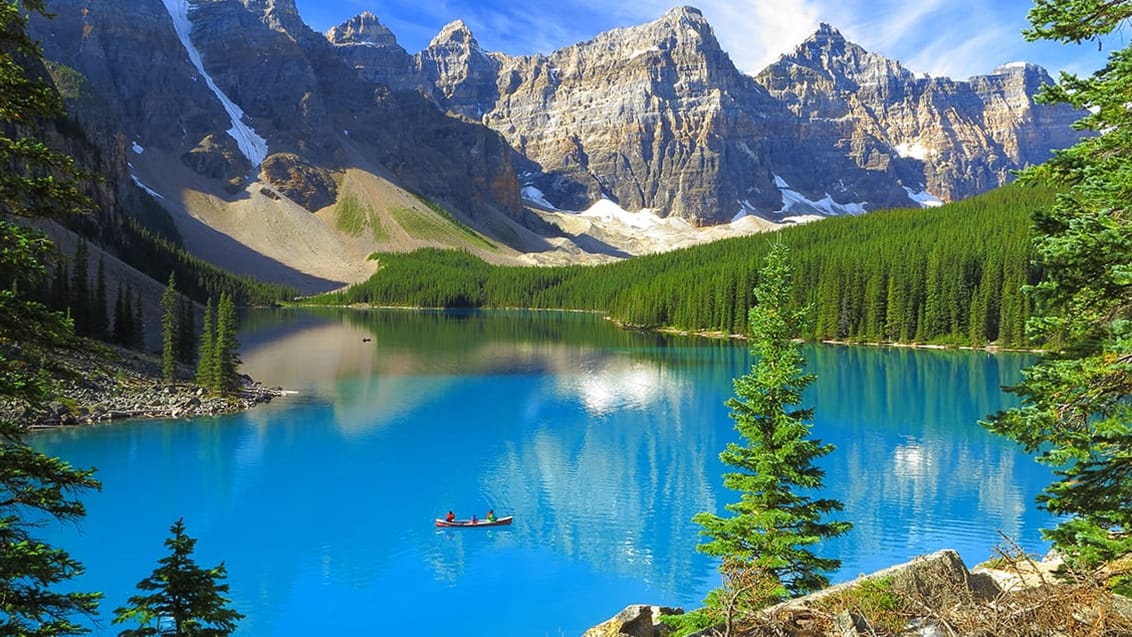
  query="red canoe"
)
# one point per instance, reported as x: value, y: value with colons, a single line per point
x: 504, y: 521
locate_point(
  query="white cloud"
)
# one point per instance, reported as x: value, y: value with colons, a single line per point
x: 756, y: 33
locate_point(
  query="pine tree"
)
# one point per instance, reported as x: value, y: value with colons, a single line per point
x: 123, y: 315
x: 1075, y: 411
x: 225, y: 348
x: 100, y: 322
x: 775, y: 522
x: 206, y: 363
x: 186, y: 332
x: 80, y: 290
x: 36, y: 597
x: 60, y: 287
x: 169, y: 331
x: 137, y: 338
x: 181, y: 598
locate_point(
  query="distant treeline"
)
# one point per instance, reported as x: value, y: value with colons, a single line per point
x: 950, y: 275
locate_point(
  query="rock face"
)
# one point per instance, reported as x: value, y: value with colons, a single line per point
x: 306, y: 185
x: 657, y: 116
x: 369, y: 48
x: 955, y: 138
x: 654, y: 116
x: 249, y: 76
x: 463, y: 76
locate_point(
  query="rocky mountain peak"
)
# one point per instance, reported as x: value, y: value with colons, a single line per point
x: 276, y: 12
x: 463, y: 76
x: 827, y: 32
x: 828, y: 53
x: 1026, y: 71
x: 683, y: 23
x: 278, y: 15
x: 686, y: 15
x: 1019, y: 68
x: 364, y: 28
x: 454, y: 34
x: 651, y: 116
x: 281, y: 7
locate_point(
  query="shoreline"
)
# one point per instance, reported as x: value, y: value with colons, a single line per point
x: 159, y: 401
x: 97, y: 383
x: 715, y: 335
x: 709, y: 334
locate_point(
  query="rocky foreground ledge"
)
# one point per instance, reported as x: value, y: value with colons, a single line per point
x: 931, y: 596
x: 101, y: 383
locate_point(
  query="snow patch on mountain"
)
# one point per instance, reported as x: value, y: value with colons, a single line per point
x: 795, y: 203
x: 251, y: 144
x: 535, y: 196
x: 606, y: 231
x: 924, y: 198
x: 137, y: 182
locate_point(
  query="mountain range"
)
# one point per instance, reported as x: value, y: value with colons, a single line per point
x: 290, y: 154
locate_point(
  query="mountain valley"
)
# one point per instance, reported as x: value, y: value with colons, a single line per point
x: 292, y: 156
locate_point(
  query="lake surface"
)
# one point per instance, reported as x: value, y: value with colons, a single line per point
x: 602, y: 443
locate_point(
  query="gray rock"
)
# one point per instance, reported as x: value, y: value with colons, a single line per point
x: 940, y: 579
x: 309, y: 186
x: 293, y: 87
x: 952, y: 138
x: 58, y: 409
x: 639, y: 620
x: 984, y: 587
x: 845, y: 625
x: 657, y: 116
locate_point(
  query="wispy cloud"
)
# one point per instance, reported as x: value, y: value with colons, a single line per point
x: 757, y: 33
x: 979, y: 53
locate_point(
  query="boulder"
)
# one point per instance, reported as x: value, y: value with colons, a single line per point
x: 940, y: 579
x: 309, y: 186
x: 638, y: 620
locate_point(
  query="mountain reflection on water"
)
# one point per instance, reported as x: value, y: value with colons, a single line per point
x: 603, y: 443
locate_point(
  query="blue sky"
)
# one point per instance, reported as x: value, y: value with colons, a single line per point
x: 956, y: 38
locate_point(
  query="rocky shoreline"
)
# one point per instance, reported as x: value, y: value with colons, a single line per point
x: 930, y: 596
x: 97, y: 383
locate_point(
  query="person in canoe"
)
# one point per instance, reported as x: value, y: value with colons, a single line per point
x: 491, y: 515
x: 475, y: 520
x: 451, y: 517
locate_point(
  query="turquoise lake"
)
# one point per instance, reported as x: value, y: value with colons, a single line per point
x: 602, y: 443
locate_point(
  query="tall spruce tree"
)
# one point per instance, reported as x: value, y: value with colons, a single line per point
x: 776, y: 521
x: 206, y: 364
x: 225, y: 349
x: 124, y: 317
x: 80, y: 289
x: 169, y: 332
x: 1075, y: 410
x: 180, y: 598
x: 100, y: 321
x: 138, y: 324
x: 35, y: 182
x: 186, y: 332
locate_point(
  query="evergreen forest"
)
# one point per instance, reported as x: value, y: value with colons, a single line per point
x: 952, y: 275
